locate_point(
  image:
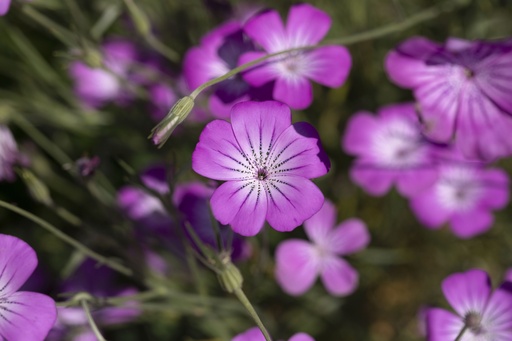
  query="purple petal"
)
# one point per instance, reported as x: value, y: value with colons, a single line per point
x: 267, y: 30
x: 242, y: 204
x: 328, y: 65
x: 17, y: 262
x: 296, y: 91
x: 428, y: 210
x: 339, y: 277
x: 467, y: 291
x: 411, y: 182
x: 261, y: 73
x: 496, y: 184
x: 496, y: 80
x: 222, y: 110
x: 291, y: 200
x: 218, y: 155
x: 498, y: 313
x: 358, y: 134
x: 298, y: 152
x: 349, y: 237
x: 301, y: 337
x: 321, y: 223
x: 373, y: 179
x: 258, y: 125
x: 26, y: 316
x: 253, y: 334
x: 443, y: 325
x: 4, y: 6
x: 306, y: 25
x: 471, y: 223
x: 296, y: 266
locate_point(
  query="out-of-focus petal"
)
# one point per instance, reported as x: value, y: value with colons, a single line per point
x: 348, y: 237
x: 328, y: 65
x: 306, y: 25
x: 319, y: 226
x: 338, y: 276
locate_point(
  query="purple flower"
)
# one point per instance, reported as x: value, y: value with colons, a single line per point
x: 255, y: 334
x: 390, y: 149
x: 266, y: 162
x: 4, y: 6
x: 299, y: 262
x: 306, y: 26
x: 463, y: 195
x: 23, y: 315
x: 9, y: 155
x: 463, y: 89
x: 95, y: 86
x: 487, y: 315
x: 162, y: 100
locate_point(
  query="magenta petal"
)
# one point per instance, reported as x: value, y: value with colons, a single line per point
x: 471, y: 223
x: 328, y: 65
x: 258, y: 125
x: 267, y: 30
x: 253, y: 334
x: 291, y: 200
x: 496, y: 184
x: 358, y: 134
x: 242, y: 204
x: 498, y: 313
x: 306, y: 25
x: 301, y: 337
x: 17, y: 262
x: 349, y: 237
x: 443, y: 325
x: 413, y: 181
x: 338, y: 276
x: 296, y: 266
x: 296, y: 91
x: 261, y: 73
x: 467, y: 291
x: 26, y: 316
x: 496, y: 82
x: 217, y: 154
x: 4, y: 6
x: 373, y: 179
x: 298, y: 152
x: 428, y: 210
x: 320, y: 225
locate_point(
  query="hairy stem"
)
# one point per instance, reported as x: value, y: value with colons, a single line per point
x: 247, y: 304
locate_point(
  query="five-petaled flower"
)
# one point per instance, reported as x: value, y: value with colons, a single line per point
x: 463, y: 89
x: 306, y: 26
x: 484, y: 314
x: 299, y: 262
x: 23, y: 315
x: 266, y: 162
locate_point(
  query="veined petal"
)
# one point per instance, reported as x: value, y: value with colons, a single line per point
x: 260, y: 74
x: 17, y: 262
x: 306, y: 25
x: 497, y: 317
x: 26, y: 316
x: 443, y: 325
x: 218, y: 155
x: 296, y: 266
x: 321, y: 223
x: 291, y: 200
x: 296, y: 91
x: 349, y: 237
x: 467, y: 291
x: 301, y: 337
x: 298, y: 152
x: 328, y: 65
x: 257, y: 127
x: 339, y: 277
x: 241, y: 204
x: 267, y: 30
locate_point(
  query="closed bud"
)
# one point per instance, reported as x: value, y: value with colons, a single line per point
x: 93, y: 58
x: 37, y: 189
x: 230, y: 278
x: 176, y: 115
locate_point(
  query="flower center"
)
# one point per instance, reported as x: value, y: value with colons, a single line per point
x: 473, y: 321
x: 262, y: 174
x: 469, y: 73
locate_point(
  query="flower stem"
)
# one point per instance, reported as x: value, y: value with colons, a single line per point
x: 247, y: 304
x: 462, y: 331
x: 67, y: 239
x: 93, y: 325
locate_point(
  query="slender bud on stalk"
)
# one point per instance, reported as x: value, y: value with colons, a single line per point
x: 176, y: 115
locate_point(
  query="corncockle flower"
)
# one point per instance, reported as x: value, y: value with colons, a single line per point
x: 390, y: 149
x: 255, y: 334
x: 299, y: 262
x: 217, y: 54
x: 463, y: 195
x: 4, y: 6
x: 95, y: 86
x: 266, y: 162
x: 9, y: 155
x: 23, y: 315
x: 306, y: 26
x: 486, y: 315
x: 463, y: 89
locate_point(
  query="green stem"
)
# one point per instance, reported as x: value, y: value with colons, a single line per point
x: 60, y: 32
x: 67, y: 239
x: 247, y: 304
x: 93, y: 325
x: 462, y: 331
x: 413, y: 20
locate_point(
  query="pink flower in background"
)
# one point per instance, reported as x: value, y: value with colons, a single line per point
x: 300, y: 262
x: 463, y: 89
x: 23, y: 315
x: 390, y: 149
x: 4, y: 6
x: 95, y: 86
x: 266, y: 162
x: 463, y: 195
x: 255, y: 334
x: 487, y: 315
x: 306, y: 26
x: 162, y: 100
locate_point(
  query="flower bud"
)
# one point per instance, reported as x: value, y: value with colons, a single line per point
x: 176, y: 115
x: 230, y: 278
